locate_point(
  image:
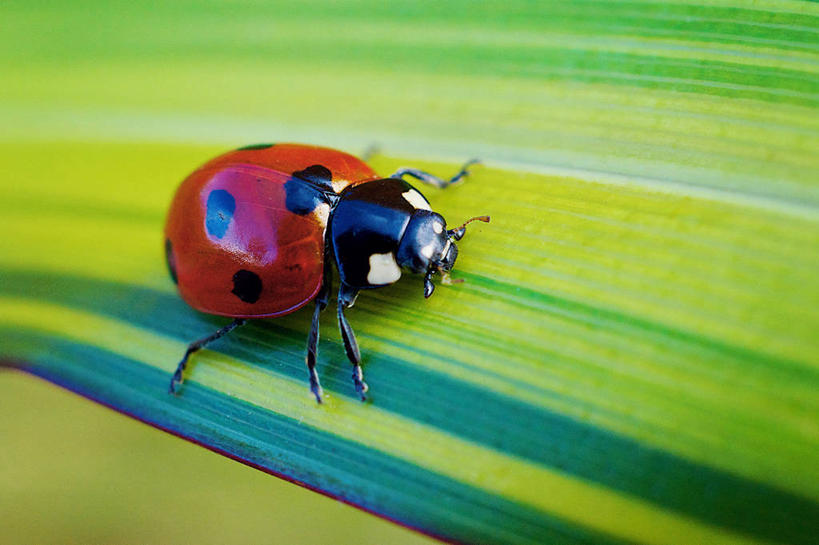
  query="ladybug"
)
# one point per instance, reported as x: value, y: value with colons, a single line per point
x: 253, y: 234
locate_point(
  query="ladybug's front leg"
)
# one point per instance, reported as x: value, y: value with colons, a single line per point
x: 431, y: 179
x: 346, y: 298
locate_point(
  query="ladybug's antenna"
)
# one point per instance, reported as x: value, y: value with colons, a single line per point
x: 484, y: 219
x: 458, y: 233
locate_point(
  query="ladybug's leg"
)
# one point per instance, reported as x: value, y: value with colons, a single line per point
x: 431, y: 179
x: 346, y: 298
x: 322, y: 299
x: 176, y: 381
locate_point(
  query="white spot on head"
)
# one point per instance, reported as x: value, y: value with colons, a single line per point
x: 438, y: 228
x: 338, y: 185
x: 427, y: 250
x: 383, y: 269
x: 416, y: 199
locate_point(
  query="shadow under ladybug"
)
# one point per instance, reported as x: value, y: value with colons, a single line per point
x: 253, y: 234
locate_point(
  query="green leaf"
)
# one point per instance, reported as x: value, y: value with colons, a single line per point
x: 632, y: 356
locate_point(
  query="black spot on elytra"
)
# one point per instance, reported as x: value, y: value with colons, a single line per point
x: 302, y: 197
x: 220, y: 208
x: 255, y: 146
x: 317, y: 175
x: 170, y: 259
x: 247, y: 286
x: 308, y: 188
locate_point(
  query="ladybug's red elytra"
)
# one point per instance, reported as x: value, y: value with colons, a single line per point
x: 253, y: 233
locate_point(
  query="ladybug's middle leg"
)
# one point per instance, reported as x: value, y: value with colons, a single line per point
x: 346, y: 298
x: 431, y: 179
x: 176, y: 381
x: 322, y: 299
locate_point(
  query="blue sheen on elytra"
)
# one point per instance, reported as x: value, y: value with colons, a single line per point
x: 220, y: 208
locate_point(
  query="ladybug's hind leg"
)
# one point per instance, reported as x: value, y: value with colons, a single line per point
x: 346, y: 298
x: 176, y: 381
x: 431, y: 179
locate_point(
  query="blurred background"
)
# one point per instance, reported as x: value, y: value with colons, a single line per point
x: 706, y: 100
x: 72, y: 471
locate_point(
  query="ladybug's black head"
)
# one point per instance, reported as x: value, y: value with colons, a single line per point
x: 428, y: 247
